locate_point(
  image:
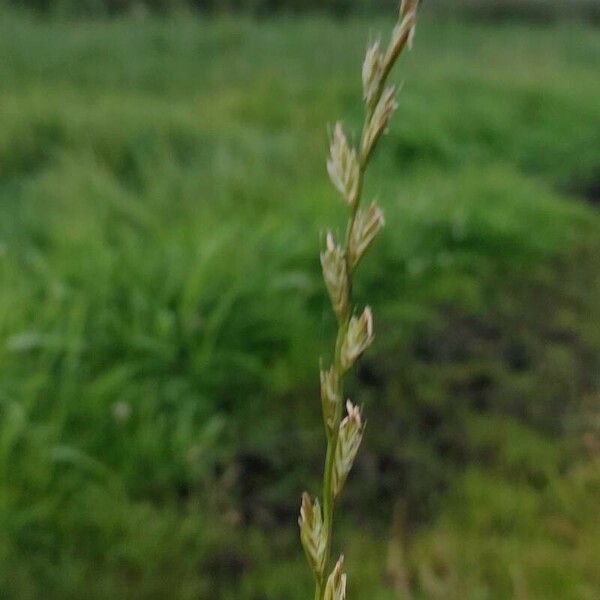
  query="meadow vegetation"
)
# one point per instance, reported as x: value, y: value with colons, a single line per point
x: 533, y: 10
x: 162, y: 198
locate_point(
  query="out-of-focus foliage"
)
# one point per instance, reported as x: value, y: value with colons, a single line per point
x: 494, y: 9
x: 162, y: 195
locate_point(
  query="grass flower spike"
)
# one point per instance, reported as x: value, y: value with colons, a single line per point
x: 346, y: 166
x: 359, y: 335
x: 333, y: 262
x: 350, y: 437
x: 366, y: 226
x: 379, y: 121
x: 336, y: 584
x: 311, y: 533
x: 329, y: 398
x: 343, y: 167
x: 371, y: 74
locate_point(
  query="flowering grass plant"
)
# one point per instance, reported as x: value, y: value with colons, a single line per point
x: 346, y: 166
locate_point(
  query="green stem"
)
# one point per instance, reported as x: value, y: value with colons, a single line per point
x: 328, y: 499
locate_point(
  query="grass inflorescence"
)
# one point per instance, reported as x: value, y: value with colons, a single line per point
x: 347, y: 166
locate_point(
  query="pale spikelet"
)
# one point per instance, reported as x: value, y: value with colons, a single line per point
x: 333, y: 263
x: 342, y: 166
x: 358, y: 338
x: 349, y: 439
x: 312, y: 533
x: 408, y: 15
x: 380, y: 120
x: 330, y: 398
x: 372, y: 73
x: 336, y: 583
x: 367, y: 225
x: 403, y: 33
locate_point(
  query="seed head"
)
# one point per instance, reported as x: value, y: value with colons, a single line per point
x: 346, y: 165
x: 336, y: 584
x: 335, y: 275
x: 312, y: 533
x: 367, y: 224
x: 342, y: 166
x: 380, y: 120
x: 358, y: 338
x: 350, y: 437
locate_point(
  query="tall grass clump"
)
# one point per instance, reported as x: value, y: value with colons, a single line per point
x: 346, y: 166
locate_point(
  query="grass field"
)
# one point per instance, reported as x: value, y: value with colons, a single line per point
x: 162, y: 200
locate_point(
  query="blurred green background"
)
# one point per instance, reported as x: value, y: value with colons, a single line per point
x: 163, y: 198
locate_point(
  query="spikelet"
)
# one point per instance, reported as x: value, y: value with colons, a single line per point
x: 333, y: 263
x: 312, y: 533
x: 408, y: 15
x: 403, y: 34
x: 336, y: 583
x: 358, y: 338
x: 372, y: 73
x: 367, y: 225
x: 330, y: 398
x: 342, y: 166
x: 349, y: 439
x: 379, y: 122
